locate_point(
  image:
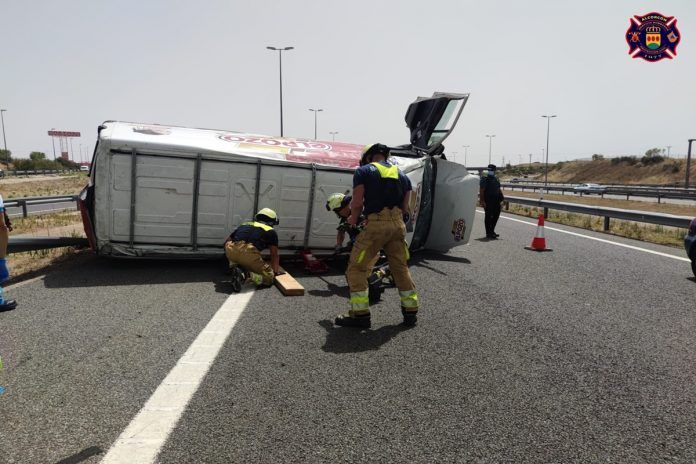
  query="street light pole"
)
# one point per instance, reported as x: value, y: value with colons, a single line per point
x: 688, y: 164
x: 315, y: 111
x: 280, y: 67
x: 466, y: 152
x: 490, y: 144
x: 546, y: 169
x: 4, y: 140
x: 669, y: 149
x: 333, y: 135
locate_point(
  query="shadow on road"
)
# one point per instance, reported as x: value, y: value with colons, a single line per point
x: 352, y: 340
x: 93, y: 271
x: 82, y: 455
x: 693, y: 279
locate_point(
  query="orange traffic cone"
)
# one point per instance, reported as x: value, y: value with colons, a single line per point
x: 539, y: 242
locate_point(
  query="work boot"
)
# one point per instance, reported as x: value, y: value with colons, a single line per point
x: 237, y: 279
x: 410, y: 317
x: 346, y: 320
x: 8, y: 305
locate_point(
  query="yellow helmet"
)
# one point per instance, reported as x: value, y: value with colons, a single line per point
x: 335, y: 201
x: 267, y: 215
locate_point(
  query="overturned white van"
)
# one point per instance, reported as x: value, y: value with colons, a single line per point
x: 163, y: 191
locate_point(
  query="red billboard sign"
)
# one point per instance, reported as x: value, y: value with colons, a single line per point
x: 58, y: 133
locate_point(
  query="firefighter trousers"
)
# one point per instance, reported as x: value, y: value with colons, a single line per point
x: 384, y: 231
x: 249, y: 258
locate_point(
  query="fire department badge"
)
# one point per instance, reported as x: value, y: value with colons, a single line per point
x: 458, y: 229
x: 653, y: 37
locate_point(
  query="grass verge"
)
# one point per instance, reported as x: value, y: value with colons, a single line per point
x: 26, y: 265
x: 55, y: 185
x: 662, y: 235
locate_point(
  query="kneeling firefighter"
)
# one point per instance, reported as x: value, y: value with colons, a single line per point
x: 339, y: 203
x: 243, y: 250
x: 384, y: 191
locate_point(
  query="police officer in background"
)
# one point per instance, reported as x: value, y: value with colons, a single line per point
x: 490, y: 196
x: 243, y: 250
x: 381, y: 192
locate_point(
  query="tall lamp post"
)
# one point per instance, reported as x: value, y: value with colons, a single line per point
x: 688, y: 164
x: 4, y: 140
x: 546, y: 169
x: 466, y: 152
x: 333, y: 135
x: 280, y: 67
x: 315, y: 111
x: 490, y: 144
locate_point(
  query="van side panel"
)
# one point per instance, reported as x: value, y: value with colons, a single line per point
x: 163, y: 199
x: 225, y: 199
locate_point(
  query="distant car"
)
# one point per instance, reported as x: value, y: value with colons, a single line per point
x: 84, y: 168
x: 2, y: 173
x: 515, y: 180
x: 589, y: 188
x: 690, y: 245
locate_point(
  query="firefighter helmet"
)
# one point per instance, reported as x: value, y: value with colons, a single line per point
x: 268, y: 216
x: 370, y: 150
x: 337, y: 201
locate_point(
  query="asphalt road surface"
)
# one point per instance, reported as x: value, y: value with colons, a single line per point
x: 582, y: 354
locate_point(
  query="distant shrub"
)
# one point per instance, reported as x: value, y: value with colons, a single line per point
x: 625, y: 159
x: 652, y: 159
x: 597, y: 157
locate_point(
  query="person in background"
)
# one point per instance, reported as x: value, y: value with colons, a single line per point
x: 5, y: 229
x: 490, y: 196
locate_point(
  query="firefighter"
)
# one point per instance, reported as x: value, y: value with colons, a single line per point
x: 339, y: 203
x: 381, y: 192
x: 5, y: 229
x: 243, y: 250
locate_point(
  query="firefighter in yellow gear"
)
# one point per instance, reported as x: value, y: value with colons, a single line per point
x: 243, y: 250
x: 381, y: 192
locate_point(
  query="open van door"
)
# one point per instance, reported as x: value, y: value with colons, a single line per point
x: 431, y: 120
x: 454, y: 206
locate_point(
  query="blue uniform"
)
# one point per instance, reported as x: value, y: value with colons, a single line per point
x: 380, y: 193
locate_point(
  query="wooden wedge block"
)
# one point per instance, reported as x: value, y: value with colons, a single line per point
x: 288, y: 286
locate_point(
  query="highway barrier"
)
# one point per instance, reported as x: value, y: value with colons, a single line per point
x: 670, y: 220
x: 24, y: 244
x: 628, y: 190
x: 37, y: 172
x: 46, y: 200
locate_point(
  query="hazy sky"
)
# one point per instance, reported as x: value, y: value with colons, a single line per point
x: 73, y: 64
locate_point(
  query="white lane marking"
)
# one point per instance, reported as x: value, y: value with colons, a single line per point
x: 667, y: 255
x: 147, y: 433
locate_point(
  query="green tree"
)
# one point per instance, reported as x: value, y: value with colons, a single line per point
x: 654, y: 152
x: 5, y: 155
x: 37, y: 155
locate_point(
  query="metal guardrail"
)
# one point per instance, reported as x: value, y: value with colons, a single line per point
x: 670, y: 220
x: 636, y: 191
x: 24, y: 244
x: 28, y: 201
x: 36, y: 172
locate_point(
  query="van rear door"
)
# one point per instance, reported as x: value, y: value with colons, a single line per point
x: 431, y: 120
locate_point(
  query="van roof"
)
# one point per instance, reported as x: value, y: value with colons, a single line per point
x: 160, y: 139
